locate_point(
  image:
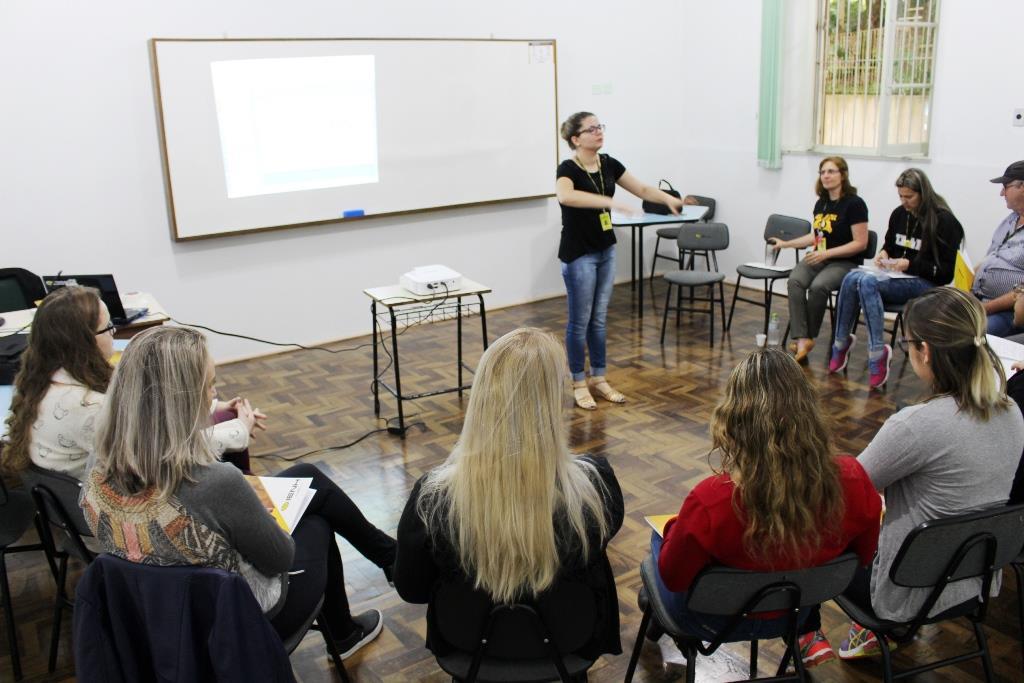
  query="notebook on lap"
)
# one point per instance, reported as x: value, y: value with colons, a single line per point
x: 108, y: 292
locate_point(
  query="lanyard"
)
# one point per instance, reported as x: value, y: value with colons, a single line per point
x: 1013, y: 231
x: 600, y: 174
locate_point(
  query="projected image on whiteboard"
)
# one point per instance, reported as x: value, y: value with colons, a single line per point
x: 296, y: 124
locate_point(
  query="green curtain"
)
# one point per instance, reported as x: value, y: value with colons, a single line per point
x: 769, y: 128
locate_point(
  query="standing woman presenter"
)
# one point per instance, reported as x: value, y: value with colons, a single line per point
x: 585, y: 188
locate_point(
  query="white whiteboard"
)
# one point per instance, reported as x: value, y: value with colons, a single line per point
x: 457, y: 122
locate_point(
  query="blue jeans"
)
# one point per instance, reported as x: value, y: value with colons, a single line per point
x: 707, y: 626
x: 588, y: 283
x: 862, y: 290
x: 1001, y: 324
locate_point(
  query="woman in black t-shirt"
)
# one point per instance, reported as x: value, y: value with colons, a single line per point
x: 838, y: 237
x: 585, y: 187
x: 919, y: 253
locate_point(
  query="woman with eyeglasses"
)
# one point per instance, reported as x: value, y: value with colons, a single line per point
x: 59, y: 389
x: 585, y: 188
x: 919, y: 253
x: 954, y: 452
x: 838, y: 237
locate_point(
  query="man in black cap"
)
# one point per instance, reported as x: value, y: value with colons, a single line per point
x: 1003, y: 266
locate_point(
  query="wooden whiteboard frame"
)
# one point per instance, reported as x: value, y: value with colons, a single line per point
x: 168, y: 182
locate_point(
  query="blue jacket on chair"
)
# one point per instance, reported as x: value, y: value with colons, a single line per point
x: 136, y: 622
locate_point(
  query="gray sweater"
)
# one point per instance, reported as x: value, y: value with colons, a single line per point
x: 215, y: 521
x: 932, y: 460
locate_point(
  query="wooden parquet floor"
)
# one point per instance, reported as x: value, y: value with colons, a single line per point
x: 657, y: 443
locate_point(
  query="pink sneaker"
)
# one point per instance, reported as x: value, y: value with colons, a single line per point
x: 879, y: 369
x: 815, y: 649
x: 840, y: 357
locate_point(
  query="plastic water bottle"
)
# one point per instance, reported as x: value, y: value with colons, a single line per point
x: 773, y: 330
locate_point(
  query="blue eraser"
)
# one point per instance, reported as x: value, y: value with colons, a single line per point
x: 353, y: 213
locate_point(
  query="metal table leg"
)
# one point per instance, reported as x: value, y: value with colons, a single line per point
x: 398, y: 374
x: 483, y: 318
x: 458, y: 341
x: 376, y: 362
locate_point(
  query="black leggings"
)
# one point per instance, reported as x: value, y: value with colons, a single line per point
x: 317, y: 557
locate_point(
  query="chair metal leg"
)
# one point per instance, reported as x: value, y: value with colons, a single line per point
x: 1018, y: 570
x: 711, y: 310
x: 691, y: 664
x: 753, y: 659
x: 635, y: 657
x: 886, y: 657
x: 767, y: 304
x: 986, y: 658
x: 332, y: 648
x: 12, y: 636
x: 721, y: 304
x: 58, y: 612
x: 664, y: 314
x: 732, y: 309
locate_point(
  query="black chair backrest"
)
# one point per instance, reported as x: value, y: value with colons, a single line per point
x: 19, y: 289
x: 703, y: 237
x: 708, y: 202
x: 56, y: 497
x: 928, y: 549
x: 872, y: 248
x: 728, y: 591
x: 568, y: 610
x: 785, y: 227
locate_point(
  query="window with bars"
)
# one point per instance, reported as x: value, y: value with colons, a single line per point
x: 875, y: 70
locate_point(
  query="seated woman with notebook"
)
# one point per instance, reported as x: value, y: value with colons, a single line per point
x: 781, y: 499
x: 60, y: 386
x: 158, y: 495
x: 954, y: 452
x: 512, y: 512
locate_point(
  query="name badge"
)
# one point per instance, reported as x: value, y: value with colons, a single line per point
x: 908, y: 242
x: 821, y: 246
x: 606, y: 220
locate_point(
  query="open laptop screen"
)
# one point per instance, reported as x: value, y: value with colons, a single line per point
x: 104, y: 283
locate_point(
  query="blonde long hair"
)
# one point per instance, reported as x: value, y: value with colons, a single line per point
x: 151, y: 429
x: 963, y: 365
x: 777, y: 449
x: 510, y: 476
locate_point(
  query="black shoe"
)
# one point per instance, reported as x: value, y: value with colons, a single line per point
x: 368, y: 626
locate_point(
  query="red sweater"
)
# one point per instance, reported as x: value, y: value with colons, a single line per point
x: 707, y: 530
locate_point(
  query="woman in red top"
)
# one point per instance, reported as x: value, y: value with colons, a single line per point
x: 781, y: 500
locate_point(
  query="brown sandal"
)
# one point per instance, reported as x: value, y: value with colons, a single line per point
x: 581, y: 395
x: 605, y: 390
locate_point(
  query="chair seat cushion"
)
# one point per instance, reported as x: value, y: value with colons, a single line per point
x: 15, y: 517
x: 526, y: 670
x: 693, y: 278
x: 865, y: 616
x: 753, y: 273
x: 668, y: 233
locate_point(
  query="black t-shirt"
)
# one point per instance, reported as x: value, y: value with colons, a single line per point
x: 833, y: 219
x: 903, y: 240
x: 581, y: 228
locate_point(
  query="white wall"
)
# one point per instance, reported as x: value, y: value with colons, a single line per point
x: 83, y: 190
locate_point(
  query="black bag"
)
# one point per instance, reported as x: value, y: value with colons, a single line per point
x: 11, y: 348
x: 655, y: 207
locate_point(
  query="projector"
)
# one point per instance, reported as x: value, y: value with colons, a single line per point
x: 427, y: 280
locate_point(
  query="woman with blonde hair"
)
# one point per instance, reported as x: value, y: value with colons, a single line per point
x: 158, y: 495
x: 781, y: 499
x: 837, y: 240
x: 954, y: 452
x: 511, y: 510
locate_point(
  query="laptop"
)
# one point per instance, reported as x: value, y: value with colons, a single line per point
x: 108, y: 292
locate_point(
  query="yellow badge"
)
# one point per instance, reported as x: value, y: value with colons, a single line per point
x: 820, y: 246
x: 606, y: 220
